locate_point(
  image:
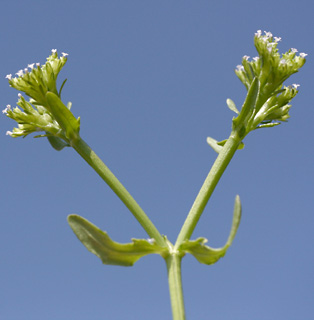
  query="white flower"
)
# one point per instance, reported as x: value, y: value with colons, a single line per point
x: 246, y: 57
x: 277, y: 39
x: 8, y: 76
x: 20, y: 73
x: 255, y: 58
x: 8, y: 133
x: 283, y: 61
x: 5, y: 111
x: 268, y: 34
x: 26, y: 70
x: 37, y: 64
x: 19, y: 95
x: 303, y: 55
x: 258, y: 33
x: 295, y: 86
x: 294, y: 50
x: 240, y: 67
x: 31, y: 66
x: 54, y: 50
x: 64, y: 54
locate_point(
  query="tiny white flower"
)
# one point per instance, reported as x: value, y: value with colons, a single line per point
x: 268, y: 34
x: 295, y: 86
x: 64, y: 54
x: 8, y: 76
x: 8, y: 133
x: 246, y: 57
x: 303, y: 55
x: 294, y: 50
x: 5, y: 111
x: 20, y: 73
x: 255, y: 58
x: 240, y: 67
x: 258, y: 33
x: 37, y: 64
x: 31, y: 66
x: 54, y: 50
x: 283, y: 61
x: 26, y: 70
x: 277, y: 39
x: 19, y: 95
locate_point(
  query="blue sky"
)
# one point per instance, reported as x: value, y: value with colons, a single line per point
x: 149, y: 80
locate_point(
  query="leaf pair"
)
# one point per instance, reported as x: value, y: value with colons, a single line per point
x: 113, y: 253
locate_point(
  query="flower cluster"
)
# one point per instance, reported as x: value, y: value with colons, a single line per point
x: 39, y: 113
x: 31, y: 119
x: 268, y: 71
x: 36, y: 80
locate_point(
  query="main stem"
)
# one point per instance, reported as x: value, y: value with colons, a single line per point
x: 173, y: 262
x: 104, y: 172
x: 218, y: 168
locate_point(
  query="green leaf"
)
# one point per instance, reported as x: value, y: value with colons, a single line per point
x: 248, y: 106
x: 64, y: 116
x: 218, y: 145
x: 214, y: 144
x: 57, y: 143
x: 207, y: 255
x: 231, y: 105
x: 110, y: 252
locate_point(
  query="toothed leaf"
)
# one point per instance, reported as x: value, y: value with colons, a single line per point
x: 110, y: 252
x: 207, y: 255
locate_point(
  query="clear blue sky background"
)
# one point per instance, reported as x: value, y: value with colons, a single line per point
x: 150, y: 80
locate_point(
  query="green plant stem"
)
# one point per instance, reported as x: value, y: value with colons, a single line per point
x: 104, y: 172
x: 175, y: 286
x: 218, y: 168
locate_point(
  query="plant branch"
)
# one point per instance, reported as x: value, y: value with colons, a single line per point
x: 218, y: 168
x: 104, y: 172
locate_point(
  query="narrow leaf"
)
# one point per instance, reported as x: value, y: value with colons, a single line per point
x: 64, y: 116
x: 231, y: 105
x: 110, y: 252
x: 248, y: 105
x: 207, y: 255
x: 218, y: 145
x: 214, y: 144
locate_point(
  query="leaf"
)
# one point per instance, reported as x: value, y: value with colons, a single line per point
x: 214, y: 144
x: 248, y: 105
x: 207, y: 255
x: 110, y: 252
x: 57, y: 143
x: 64, y: 116
x: 218, y: 145
x: 231, y: 105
